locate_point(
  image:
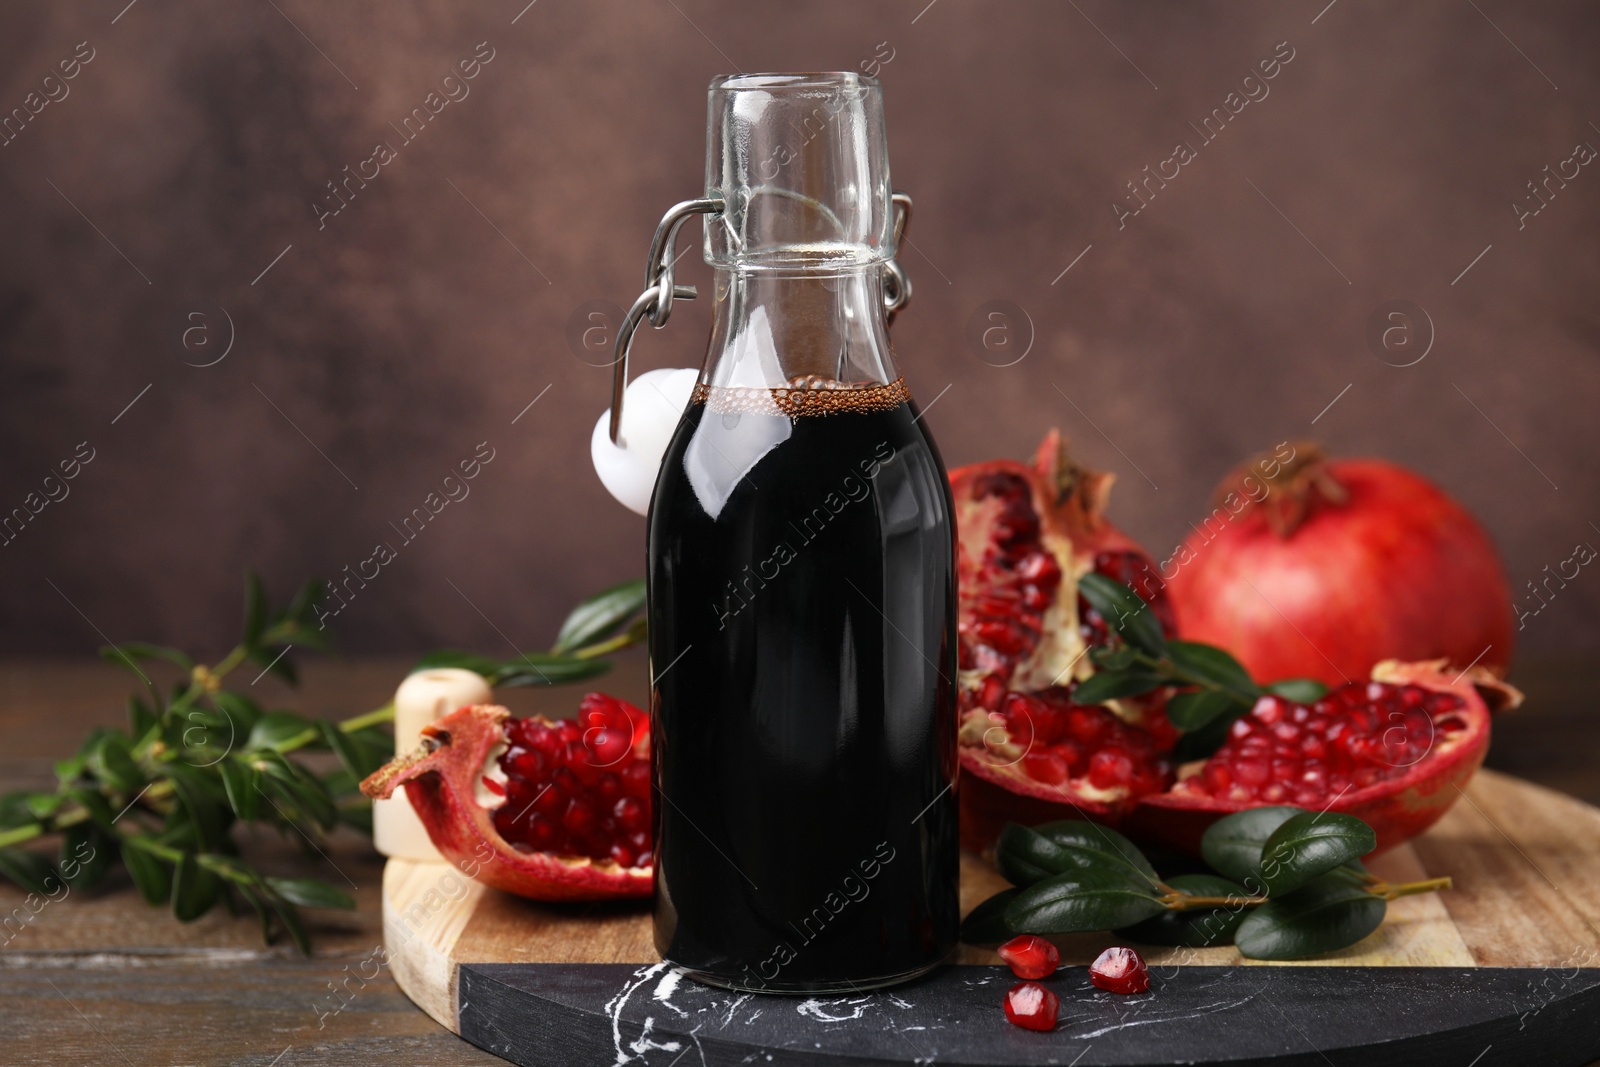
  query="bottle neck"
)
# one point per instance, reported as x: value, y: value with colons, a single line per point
x: 770, y: 328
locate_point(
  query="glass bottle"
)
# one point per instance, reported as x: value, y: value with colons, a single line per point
x: 802, y: 580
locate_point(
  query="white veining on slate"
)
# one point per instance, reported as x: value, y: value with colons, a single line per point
x: 614, y: 1007
x: 818, y: 1010
x: 664, y: 990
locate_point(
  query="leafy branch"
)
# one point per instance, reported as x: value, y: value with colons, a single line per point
x: 1213, y: 687
x: 164, y: 794
x: 1284, y: 884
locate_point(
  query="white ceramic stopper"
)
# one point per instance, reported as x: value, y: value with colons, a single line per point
x: 422, y: 697
x: 651, y: 408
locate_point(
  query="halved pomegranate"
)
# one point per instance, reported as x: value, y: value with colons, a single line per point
x: 1394, y: 752
x: 552, y: 810
x: 1025, y: 537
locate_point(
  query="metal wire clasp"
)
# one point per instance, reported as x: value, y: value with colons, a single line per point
x: 656, y: 300
x: 655, y: 303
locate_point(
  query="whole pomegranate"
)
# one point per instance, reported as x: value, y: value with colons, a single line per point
x: 1317, y: 568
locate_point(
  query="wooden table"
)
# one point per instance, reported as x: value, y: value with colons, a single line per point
x: 101, y: 978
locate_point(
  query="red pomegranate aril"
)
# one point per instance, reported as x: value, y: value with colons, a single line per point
x: 1109, y: 768
x: 1120, y: 970
x: 551, y: 800
x: 631, y: 814
x: 1047, y: 767
x: 1029, y: 956
x: 1039, y: 568
x: 1032, y: 1006
x: 1250, y: 772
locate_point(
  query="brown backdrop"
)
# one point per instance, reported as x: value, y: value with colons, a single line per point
x: 143, y: 204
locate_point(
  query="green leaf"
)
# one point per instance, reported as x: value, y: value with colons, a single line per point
x: 1073, y: 844
x: 1193, y: 927
x: 274, y: 660
x: 304, y: 794
x: 1232, y: 845
x: 1089, y: 899
x: 112, y: 762
x: 241, y: 711
x: 1124, y: 612
x: 1112, y: 658
x: 310, y: 893
x: 239, y: 781
x: 1325, y: 916
x: 72, y: 768
x: 289, y: 916
x: 29, y: 870
x: 986, y: 924
x: 151, y: 876
x: 303, y: 608
x: 194, y: 889
x: 1299, y: 690
x: 255, y: 609
x: 600, y: 616
x: 44, y: 805
x: 1203, y: 742
x: 1213, y: 665
x: 205, y: 803
x: 356, y: 758
x: 530, y: 668
x: 258, y: 903
x: 14, y: 810
x: 129, y: 652
x: 1309, y: 845
x: 1112, y: 685
x: 141, y: 720
x: 1192, y: 710
x: 85, y: 856
x: 1024, y: 856
x: 277, y: 728
x: 99, y: 809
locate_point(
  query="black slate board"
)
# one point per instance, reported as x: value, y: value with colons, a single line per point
x: 569, y: 1014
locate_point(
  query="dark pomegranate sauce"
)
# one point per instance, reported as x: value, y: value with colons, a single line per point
x: 802, y: 646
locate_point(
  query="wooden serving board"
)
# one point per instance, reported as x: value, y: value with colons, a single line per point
x: 1502, y: 969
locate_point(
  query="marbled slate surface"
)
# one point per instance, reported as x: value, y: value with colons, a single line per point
x: 537, y: 1014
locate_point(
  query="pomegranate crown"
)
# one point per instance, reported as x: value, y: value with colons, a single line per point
x: 1294, y: 485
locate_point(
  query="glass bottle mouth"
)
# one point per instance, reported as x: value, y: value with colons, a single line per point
x: 801, y: 164
x: 804, y: 81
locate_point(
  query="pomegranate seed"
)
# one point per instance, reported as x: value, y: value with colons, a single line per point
x: 1120, y: 970
x: 1032, y: 1006
x: 1037, y: 598
x: 1039, y: 568
x: 1088, y: 725
x: 631, y: 814
x: 550, y: 801
x: 1046, y: 767
x: 493, y: 786
x: 578, y: 819
x: 1109, y: 768
x: 1030, y: 957
x: 1250, y: 772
